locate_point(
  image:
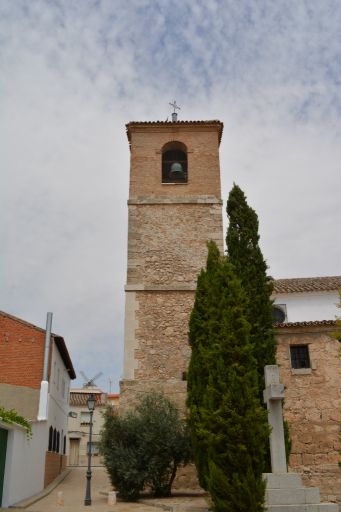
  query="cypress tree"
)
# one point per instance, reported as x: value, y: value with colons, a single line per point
x: 198, y: 370
x: 243, y: 250
x: 229, y: 427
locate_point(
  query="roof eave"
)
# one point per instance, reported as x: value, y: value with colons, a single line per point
x: 169, y: 124
x: 60, y: 343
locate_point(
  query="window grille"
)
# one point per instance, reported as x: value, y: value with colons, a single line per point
x: 299, y: 356
x: 85, y: 418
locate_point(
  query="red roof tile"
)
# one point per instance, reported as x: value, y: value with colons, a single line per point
x: 307, y: 284
x: 80, y: 399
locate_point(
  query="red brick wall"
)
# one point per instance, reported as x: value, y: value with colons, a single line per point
x: 21, y: 353
x: 203, y: 160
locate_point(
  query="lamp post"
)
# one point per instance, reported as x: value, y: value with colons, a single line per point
x: 91, y: 402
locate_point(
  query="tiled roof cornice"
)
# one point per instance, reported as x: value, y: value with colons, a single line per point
x: 171, y: 124
x: 307, y: 284
x: 312, y: 323
x: 80, y: 399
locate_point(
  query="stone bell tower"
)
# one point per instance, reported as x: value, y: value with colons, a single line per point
x: 174, y: 208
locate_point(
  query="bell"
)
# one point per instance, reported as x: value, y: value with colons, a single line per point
x: 176, y: 170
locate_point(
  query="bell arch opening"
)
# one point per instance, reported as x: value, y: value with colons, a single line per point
x: 174, y: 163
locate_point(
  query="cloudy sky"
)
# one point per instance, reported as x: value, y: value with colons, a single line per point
x: 73, y: 72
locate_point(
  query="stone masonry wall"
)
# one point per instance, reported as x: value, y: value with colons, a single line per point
x: 313, y: 407
x: 167, y: 242
x: 162, y: 335
x: 168, y: 229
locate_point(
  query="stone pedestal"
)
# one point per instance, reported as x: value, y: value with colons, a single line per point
x: 285, y: 493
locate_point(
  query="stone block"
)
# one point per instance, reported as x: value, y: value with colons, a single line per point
x: 298, y: 496
x: 282, y: 481
x: 321, y: 507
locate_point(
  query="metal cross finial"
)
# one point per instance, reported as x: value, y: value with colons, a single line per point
x: 175, y: 106
x: 174, y: 114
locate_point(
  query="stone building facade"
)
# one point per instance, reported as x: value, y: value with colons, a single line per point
x: 312, y: 405
x: 27, y: 466
x: 170, y: 222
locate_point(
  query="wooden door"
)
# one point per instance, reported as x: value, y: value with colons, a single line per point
x: 74, y: 452
x: 3, y: 449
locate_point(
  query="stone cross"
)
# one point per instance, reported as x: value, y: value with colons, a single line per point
x: 273, y: 396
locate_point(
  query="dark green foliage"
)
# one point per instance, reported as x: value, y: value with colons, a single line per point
x: 144, y: 447
x: 245, y: 254
x: 199, y: 371
x: 229, y: 427
x: 287, y: 440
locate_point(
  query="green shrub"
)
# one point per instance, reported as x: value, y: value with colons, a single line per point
x: 11, y: 416
x: 144, y: 447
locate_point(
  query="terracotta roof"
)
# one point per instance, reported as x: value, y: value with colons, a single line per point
x: 307, y: 284
x: 80, y: 399
x: 133, y: 124
x: 310, y: 323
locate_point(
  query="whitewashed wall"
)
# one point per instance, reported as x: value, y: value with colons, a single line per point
x: 309, y: 306
x: 25, y: 463
x: 58, y: 406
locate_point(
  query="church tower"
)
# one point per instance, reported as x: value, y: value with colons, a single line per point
x: 174, y: 208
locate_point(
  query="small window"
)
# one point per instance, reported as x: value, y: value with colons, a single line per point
x: 54, y: 444
x: 174, y: 163
x: 85, y: 418
x: 94, y: 448
x: 299, y: 356
x: 50, y: 448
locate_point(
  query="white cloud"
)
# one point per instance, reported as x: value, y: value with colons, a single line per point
x: 73, y: 73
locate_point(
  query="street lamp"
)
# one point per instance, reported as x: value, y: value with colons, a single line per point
x: 91, y: 402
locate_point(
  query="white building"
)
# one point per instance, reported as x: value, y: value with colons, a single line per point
x: 27, y: 465
x: 79, y: 424
x: 307, y: 299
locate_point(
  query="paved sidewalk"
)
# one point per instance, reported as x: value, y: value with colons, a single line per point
x: 73, y: 489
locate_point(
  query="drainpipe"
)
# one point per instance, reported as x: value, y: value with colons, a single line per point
x: 44, y: 385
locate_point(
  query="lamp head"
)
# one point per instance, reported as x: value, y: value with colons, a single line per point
x: 91, y: 402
